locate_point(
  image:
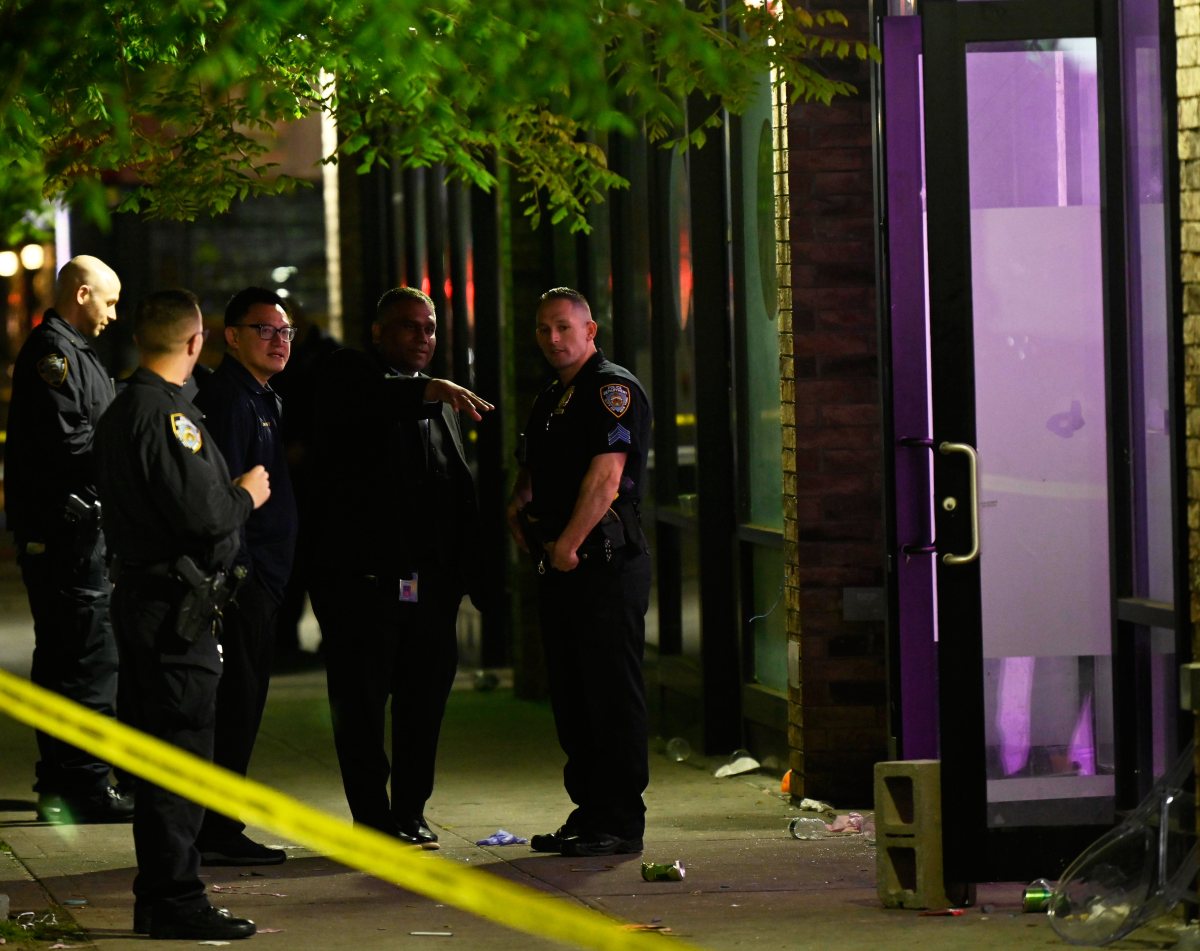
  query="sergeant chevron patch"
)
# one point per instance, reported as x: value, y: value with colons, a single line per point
x: 619, y: 434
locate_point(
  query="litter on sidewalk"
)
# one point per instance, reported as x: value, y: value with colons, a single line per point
x: 739, y: 762
x: 502, y: 837
x: 663, y: 872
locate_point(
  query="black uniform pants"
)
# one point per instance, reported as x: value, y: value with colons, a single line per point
x: 377, y: 647
x: 176, y: 702
x: 594, y: 636
x: 74, y: 654
x: 247, y: 645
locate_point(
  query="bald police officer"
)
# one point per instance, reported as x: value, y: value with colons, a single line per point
x: 60, y: 388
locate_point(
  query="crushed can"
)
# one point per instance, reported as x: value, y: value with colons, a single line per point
x: 658, y: 872
x: 1036, y: 897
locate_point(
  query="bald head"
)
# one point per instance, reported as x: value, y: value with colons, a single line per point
x: 87, y: 294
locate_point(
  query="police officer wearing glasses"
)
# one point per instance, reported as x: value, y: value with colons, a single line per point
x: 243, y: 414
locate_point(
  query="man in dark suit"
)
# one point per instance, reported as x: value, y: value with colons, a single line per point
x: 395, y: 537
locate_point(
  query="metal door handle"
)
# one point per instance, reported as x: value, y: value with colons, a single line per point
x: 946, y: 449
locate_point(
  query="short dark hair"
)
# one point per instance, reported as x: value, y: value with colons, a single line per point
x: 398, y: 294
x: 161, y: 316
x: 566, y: 293
x: 240, y: 303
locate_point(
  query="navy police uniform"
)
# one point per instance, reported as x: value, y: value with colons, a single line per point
x: 243, y: 416
x: 389, y: 573
x: 593, y: 618
x: 166, y: 493
x: 60, y: 388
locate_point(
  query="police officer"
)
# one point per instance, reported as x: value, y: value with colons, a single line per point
x: 172, y: 517
x: 243, y: 414
x: 575, y: 508
x: 60, y: 388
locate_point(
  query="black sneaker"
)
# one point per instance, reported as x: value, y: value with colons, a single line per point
x: 239, y: 850
x: 553, y: 841
x: 600, y: 843
x: 204, y: 924
x: 105, y: 805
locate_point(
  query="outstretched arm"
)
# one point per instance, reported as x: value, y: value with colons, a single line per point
x: 460, y: 398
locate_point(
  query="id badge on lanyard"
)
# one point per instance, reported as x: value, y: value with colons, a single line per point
x: 408, y: 589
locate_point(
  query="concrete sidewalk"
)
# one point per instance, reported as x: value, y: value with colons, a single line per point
x: 748, y: 882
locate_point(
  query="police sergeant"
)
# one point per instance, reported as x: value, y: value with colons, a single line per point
x: 575, y: 508
x: 172, y: 516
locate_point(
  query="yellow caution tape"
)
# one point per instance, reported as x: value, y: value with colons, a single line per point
x: 214, y: 787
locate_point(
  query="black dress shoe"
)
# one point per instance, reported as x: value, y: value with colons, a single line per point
x: 553, y: 841
x: 204, y: 924
x: 600, y: 843
x: 415, y: 830
x: 239, y: 850
x: 104, y: 805
x: 141, y: 918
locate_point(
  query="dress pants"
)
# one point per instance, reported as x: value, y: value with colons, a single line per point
x: 74, y: 654
x: 176, y: 702
x: 377, y: 648
x: 247, y: 645
x: 594, y: 635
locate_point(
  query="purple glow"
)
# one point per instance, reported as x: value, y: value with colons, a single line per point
x: 1012, y: 716
x: 1083, y: 744
x: 916, y: 584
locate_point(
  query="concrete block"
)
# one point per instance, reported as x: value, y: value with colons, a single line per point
x: 908, y: 796
x: 908, y: 828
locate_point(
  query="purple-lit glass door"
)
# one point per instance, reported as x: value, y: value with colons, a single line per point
x: 1041, y: 435
x: 1020, y: 443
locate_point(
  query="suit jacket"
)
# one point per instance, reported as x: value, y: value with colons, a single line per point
x: 387, y: 502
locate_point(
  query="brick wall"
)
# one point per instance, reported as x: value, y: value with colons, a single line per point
x: 832, y: 461
x: 1187, y: 51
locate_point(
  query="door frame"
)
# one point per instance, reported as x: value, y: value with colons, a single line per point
x: 976, y: 852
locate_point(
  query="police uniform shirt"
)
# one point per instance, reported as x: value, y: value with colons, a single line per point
x: 60, y: 389
x: 244, y: 418
x: 603, y: 409
x: 165, y: 487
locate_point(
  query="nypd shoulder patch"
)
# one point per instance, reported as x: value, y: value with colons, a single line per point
x: 615, y: 397
x: 187, y: 432
x: 52, y: 368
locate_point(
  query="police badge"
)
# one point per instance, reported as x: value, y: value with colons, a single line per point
x: 615, y: 397
x: 562, y: 403
x: 53, y: 369
x: 187, y: 432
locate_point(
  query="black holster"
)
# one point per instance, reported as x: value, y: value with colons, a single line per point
x: 536, y: 531
x: 205, y: 597
x: 81, y: 529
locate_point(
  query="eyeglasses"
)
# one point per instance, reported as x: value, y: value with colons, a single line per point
x: 267, y: 331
